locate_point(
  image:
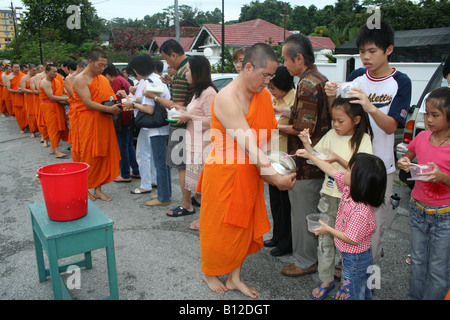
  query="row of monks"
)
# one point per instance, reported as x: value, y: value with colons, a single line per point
x: 24, y: 97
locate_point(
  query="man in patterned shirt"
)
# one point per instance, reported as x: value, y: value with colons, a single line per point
x: 310, y: 110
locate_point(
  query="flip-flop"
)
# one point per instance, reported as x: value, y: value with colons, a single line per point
x: 327, y: 290
x: 180, y: 211
x: 137, y: 191
x: 339, y: 293
x: 120, y: 179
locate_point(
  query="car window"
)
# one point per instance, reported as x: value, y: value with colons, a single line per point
x: 221, y: 83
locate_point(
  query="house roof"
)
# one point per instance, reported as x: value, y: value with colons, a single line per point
x: 186, y: 43
x: 137, y: 37
x: 250, y: 32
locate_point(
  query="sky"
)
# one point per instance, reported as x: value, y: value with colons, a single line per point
x: 137, y: 9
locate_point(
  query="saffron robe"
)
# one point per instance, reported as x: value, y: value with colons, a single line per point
x: 2, y: 98
x: 17, y: 102
x: 30, y: 108
x: 73, y: 129
x: 54, y: 114
x: 234, y: 216
x: 96, y: 134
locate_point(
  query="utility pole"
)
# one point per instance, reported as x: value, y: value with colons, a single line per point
x: 177, y: 22
x: 223, y: 36
x: 13, y: 12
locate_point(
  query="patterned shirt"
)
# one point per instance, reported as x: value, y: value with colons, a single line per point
x: 181, y: 92
x: 355, y: 219
x: 310, y: 110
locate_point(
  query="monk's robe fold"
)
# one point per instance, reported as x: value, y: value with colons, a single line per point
x: 17, y: 102
x: 8, y: 101
x: 73, y: 129
x: 2, y: 98
x: 30, y: 107
x: 96, y: 135
x: 234, y: 216
x: 54, y: 114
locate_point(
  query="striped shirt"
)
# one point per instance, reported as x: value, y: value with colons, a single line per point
x: 355, y: 219
x: 181, y: 92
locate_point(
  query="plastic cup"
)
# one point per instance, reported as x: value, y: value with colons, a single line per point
x: 313, y: 220
x: 420, y: 168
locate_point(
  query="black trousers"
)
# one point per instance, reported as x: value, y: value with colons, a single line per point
x: 281, y: 215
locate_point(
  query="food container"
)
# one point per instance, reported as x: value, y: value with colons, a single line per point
x: 154, y: 88
x: 172, y: 113
x: 416, y: 169
x: 345, y: 87
x: 282, y: 164
x: 313, y: 220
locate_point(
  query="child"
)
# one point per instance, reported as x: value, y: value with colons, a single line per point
x: 360, y: 185
x: 430, y: 199
x: 350, y: 134
x: 385, y: 94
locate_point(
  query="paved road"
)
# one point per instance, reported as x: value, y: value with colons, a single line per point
x: 157, y: 256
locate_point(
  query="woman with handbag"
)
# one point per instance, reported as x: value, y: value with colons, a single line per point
x: 197, y: 116
x: 153, y: 136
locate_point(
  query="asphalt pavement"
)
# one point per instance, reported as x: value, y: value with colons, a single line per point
x: 157, y: 257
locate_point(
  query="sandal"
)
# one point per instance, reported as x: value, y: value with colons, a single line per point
x: 326, y: 289
x: 339, y: 293
x: 180, y: 211
x: 139, y: 191
x: 195, y: 202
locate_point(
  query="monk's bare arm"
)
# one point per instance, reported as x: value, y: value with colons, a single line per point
x: 81, y: 87
x: 23, y: 85
x: 47, y: 87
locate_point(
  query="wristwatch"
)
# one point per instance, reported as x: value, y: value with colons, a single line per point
x: 156, y: 99
x: 132, y: 105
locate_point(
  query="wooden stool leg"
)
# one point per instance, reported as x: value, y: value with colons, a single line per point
x: 88, y: 260
x: 54, y: 271
x: 111, y: 261
x: 39, y: 258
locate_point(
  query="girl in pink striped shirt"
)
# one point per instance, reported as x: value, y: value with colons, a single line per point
x: 363, y: 186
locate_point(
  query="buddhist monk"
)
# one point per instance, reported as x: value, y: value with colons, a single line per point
x: 234, y: 217
x: 52, y: 97
x: 2, y: 100
x: 73, y: 116
x: 6, y: 93
x: 34, y: 86
x: 28, y: 100
x: 97, y: 137
x: 16, y: 94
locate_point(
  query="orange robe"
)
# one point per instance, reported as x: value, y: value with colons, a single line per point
x: 30, y: 107
x: 54, y: 114
x: 96, y: 135
x: 40, y: 118
x: 2, y: 98
x: 234, y: 217
x: 73, y: 131
x: 17, y: 102
x: 8, y: 101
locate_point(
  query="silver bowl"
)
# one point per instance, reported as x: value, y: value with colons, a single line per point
x: 281, y: 164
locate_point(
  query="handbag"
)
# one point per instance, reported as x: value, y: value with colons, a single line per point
x: 155, y: 120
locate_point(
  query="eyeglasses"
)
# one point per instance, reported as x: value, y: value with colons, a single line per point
x: 267, y: 76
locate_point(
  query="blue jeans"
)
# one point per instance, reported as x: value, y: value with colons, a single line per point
x: 127, y: 153
x: 430, y: 254
x: 163, y: 176
x: 355, y: 275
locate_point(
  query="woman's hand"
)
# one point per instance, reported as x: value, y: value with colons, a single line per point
x: 184, y: 117
x: 404, y: 163
x: 434, y: 176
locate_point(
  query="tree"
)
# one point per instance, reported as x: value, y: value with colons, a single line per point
x: 50, y: 14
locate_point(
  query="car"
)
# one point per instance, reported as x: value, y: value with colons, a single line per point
x: 220, y: 80
x: 120, y: 65
x: 415, y: 122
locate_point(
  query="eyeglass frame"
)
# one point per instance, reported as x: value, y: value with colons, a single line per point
x: 268, y: 77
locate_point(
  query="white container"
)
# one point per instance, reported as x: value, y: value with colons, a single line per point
x: 154, y: 88
x: 173, y: 112
x: 313, y: 220
x: 345, y: 87
x: 415, y: 169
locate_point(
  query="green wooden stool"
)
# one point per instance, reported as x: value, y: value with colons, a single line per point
x: 61, y: 239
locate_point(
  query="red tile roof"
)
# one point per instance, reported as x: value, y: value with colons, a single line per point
x: 185, y: 42
x: 250, y: 32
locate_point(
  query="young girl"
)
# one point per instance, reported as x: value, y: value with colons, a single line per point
x: 350, y: 135
x: 363, y: 185
x: 430, y: 199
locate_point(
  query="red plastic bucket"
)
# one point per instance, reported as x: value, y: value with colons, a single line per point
x: 65, y: 189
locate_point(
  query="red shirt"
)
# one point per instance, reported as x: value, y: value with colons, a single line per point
x: 120, y: 83
x: 355, y: 219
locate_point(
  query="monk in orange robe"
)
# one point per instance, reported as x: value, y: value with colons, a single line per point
x: 52, y: 95
x: 17, y: 96
x: 34, y: 86
x: 72, y: 114
x: 234, y: 217
x: 28, y: 100
x: 96, y: 133
x: 6, y: 93
x: 2, y: 100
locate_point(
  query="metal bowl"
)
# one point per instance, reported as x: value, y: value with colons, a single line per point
x: 281, y: 164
